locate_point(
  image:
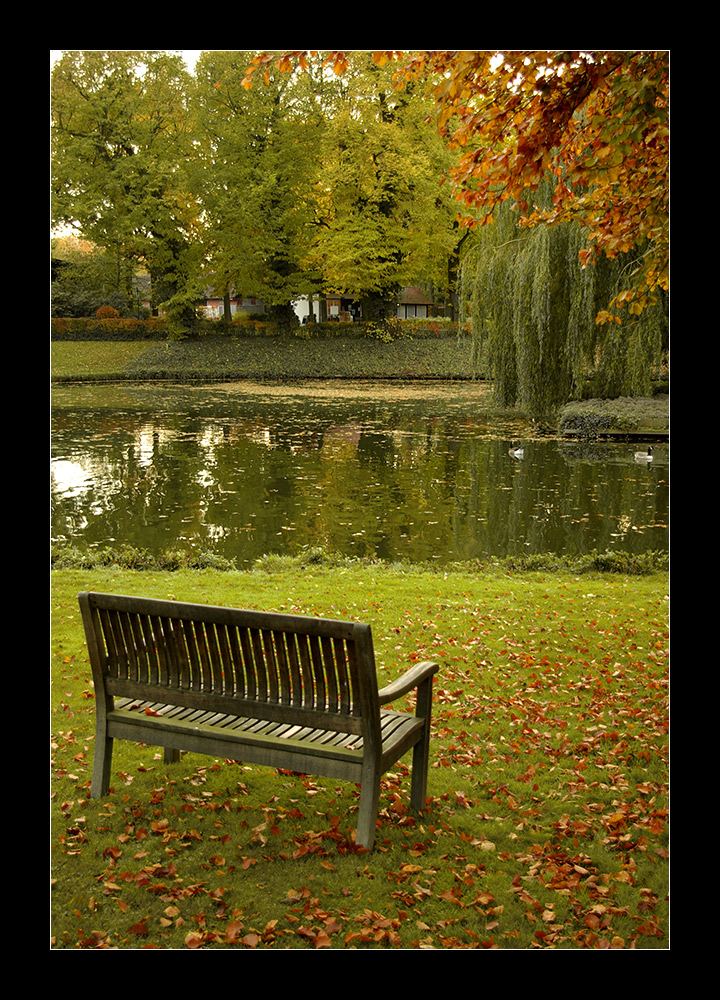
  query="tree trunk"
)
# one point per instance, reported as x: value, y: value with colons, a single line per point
x: 283, y: 315
x: 378, y: 306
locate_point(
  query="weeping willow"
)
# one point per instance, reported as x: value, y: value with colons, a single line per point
x: 531, y: 309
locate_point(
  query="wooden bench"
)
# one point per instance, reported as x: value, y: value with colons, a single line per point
x: 289, y: 691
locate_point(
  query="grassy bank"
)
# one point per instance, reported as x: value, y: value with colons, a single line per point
x: 263, y: 358
x: 546, y: 822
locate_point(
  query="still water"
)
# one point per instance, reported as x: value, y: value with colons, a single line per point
x: 419, y: 472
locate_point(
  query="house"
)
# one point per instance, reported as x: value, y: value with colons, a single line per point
x: 141, y: 292
x: 324, y: 308
x: 413, y: 303
x: 213, y: 306
x: 211, y: 303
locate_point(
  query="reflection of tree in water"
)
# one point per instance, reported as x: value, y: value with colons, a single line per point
x: 417, y: 481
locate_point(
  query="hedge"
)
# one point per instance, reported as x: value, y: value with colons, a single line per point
x: 93, y: 328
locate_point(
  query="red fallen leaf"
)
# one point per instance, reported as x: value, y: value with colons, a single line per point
x: 139, y: 929
x: 450, y: 897
x: 232, y: 932
x: 251, y: 940
x: 149, y: 711
x: 484, y: 899
x: 650, y: 928
x: 295, y: 895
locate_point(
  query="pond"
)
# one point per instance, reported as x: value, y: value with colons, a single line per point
x: 416, y: 471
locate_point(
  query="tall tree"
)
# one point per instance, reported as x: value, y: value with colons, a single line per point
x: 120, y: 145
x: 382, y: 218
x: 532, y: 307
x: 256, y: 168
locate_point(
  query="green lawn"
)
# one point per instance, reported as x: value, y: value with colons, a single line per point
x: 547, y: 815
x: 93, y: 359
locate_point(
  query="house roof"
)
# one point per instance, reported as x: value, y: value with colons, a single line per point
x: 414, y: 296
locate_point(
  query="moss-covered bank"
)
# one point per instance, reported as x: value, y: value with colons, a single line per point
x: 228, y: 358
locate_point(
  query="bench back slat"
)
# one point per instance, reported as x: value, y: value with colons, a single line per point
x: 272, y: 662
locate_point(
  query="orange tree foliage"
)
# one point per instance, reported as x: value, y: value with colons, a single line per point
x: 596, y: 121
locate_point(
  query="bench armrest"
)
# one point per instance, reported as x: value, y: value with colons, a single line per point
x: 411, y: 679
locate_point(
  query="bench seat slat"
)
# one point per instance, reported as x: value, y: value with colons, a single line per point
x: 395, y: 727
x: 129, y: 725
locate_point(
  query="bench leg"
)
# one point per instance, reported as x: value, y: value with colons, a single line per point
x: 418, y: 787
x: 421, y: 751
x: 171, y: 756
x: 367, y: 819
x: 101, y: 768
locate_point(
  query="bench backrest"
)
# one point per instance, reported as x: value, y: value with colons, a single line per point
x: 254, y: 663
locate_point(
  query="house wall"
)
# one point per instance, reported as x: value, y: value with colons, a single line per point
x: 412, y: 312
x: 332, y: 307
x: 214, y: 308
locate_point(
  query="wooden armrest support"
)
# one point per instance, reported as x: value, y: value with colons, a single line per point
x: 411, y: 679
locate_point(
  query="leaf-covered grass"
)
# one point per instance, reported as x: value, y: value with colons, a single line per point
x: 547, y: 814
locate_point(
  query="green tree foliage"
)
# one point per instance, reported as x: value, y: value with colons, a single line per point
x: 306, y: 184
x: 254, y: 172
x: 382, y: 218
x: 85, y: 278
x: 120, y: 149
x: 311, y: 184
x: 533, y: 306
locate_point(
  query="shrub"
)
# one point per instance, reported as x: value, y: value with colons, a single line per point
x: 64, y: 556
x: 590, y: 418
x: 107, y: 312
x: 116, y: 328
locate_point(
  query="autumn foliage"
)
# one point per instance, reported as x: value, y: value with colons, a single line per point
x: 596, y: 121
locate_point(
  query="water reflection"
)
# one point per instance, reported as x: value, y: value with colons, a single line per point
x: 421, y: 473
